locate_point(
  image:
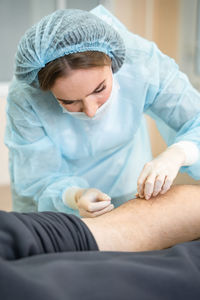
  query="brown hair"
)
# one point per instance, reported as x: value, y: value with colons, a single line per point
x: 61, y: 66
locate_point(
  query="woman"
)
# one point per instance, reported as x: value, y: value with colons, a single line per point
x: 76, y: 130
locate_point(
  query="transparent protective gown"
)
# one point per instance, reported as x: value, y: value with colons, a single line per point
x: 51, y: 151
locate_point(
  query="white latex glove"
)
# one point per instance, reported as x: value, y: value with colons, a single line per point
x: 92, y: 202
x: 158, y: 175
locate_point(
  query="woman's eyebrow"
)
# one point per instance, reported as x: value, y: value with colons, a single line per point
x: 66, y: 101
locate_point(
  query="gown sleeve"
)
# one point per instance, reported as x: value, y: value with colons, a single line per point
x: 174, y: 104
x: 35, y: 160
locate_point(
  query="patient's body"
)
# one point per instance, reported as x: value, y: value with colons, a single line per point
x: 138, y: 225
x: 169, y: 274
x: 143, y: 225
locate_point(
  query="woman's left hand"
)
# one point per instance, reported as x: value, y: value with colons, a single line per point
x: 158, y: 175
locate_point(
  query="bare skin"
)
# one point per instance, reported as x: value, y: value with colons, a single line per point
x: 84, y: 90
x: 145, y: 225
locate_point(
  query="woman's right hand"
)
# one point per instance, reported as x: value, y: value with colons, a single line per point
x: 92, y: 202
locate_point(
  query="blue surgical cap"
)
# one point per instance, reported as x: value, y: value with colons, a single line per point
x: 64, y: 32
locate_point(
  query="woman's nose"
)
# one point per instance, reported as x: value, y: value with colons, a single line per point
x: 90, y: 109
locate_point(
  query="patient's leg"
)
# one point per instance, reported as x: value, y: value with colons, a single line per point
x: 141, y: 225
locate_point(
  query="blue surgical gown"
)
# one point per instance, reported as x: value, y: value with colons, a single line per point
x: 50, y: 151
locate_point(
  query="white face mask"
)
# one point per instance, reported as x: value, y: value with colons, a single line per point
x: 101, y: 110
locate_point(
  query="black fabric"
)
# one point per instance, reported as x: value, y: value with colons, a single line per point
x: 170, y: 274
x: 23, y: 235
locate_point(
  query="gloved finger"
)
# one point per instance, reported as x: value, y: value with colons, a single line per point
x: 140, y: 188
x: 159, y: 182
x: 95, y: 206
x: 142, y: 179
x: 149, y: 185
x: 88, y: 205
x: 166, y: 186
x: 87, y: 214
x: 141, y: 194
x: 103, y: 211
x: 94, y: 195
x: 140, y: 185
x: 103, y: 197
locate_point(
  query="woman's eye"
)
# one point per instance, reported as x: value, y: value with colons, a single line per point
x: 98, y: 91
x: 68, y: 103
